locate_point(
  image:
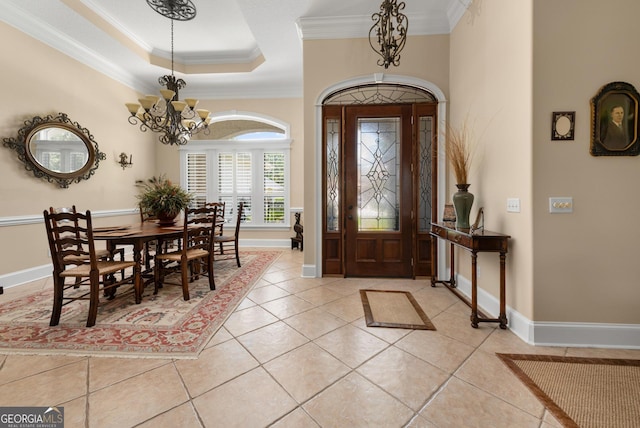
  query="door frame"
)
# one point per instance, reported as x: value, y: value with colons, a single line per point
x: 312, y: 267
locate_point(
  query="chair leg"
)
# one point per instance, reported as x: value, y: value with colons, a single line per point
x: 212, y: 282
x: 58, y: 291
x: 94, y: 296
x: 237, y: 255
x: 184, y: 270
x: 158, y: 276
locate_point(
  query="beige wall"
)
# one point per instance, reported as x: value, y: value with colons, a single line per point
x: 586, y: 265
x: 491, y: 69
x: 41, y: 81
x: 513, y: 64
x: 329, y: 62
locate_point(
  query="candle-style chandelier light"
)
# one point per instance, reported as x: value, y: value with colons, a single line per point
x: 175, y: 120
x: 389, y: 32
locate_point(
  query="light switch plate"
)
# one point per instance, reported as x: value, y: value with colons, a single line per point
x: 561, y: 205
x: 513, y: 205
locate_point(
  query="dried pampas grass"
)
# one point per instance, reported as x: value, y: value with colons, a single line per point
x: 459, y: 151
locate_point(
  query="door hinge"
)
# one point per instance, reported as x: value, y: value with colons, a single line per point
x: 411, y: 261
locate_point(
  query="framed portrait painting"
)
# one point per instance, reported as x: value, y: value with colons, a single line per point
x: 614, y: 121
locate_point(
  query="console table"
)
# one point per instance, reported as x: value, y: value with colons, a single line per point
x: 475, y: 242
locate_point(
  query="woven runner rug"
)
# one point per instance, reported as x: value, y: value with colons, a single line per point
x: 582, y: 392
x: 394, y: 309
x: 162, y: 326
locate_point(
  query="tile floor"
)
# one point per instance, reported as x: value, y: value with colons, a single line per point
x: 297, y: 353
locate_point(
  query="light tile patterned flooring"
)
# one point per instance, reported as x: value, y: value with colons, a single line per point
x: 297, y: 353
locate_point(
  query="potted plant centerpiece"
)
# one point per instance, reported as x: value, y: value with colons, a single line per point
x: 459, y: 153
x: 163, y: 199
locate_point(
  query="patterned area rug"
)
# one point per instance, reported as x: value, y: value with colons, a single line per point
x: 162, y: 326
x: 582, y: 392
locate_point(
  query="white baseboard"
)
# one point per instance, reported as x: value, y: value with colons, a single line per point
x: 265, y: 243
x: 24, y: 276
x: 309, y: 271
x: 541, y: 333
x: 592, y: 335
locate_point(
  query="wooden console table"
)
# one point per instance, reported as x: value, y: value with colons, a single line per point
x: 474, y: 242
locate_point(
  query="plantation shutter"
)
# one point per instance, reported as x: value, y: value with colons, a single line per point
x: 197, y: 177
x: 244, y: 183
x: 273, y: 187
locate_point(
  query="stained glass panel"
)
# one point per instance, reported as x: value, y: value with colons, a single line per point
x: 378, y: 174
x: 425, y: 137
x: 333, y: 174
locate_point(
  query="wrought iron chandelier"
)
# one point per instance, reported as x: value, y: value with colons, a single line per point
x: 389, y: 31
x: 175, y: 120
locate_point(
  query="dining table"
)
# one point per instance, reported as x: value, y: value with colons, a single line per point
x: 137, y: 235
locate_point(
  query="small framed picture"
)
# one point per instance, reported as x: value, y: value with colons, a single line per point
x: 562, y: 125
x: 614, y: 121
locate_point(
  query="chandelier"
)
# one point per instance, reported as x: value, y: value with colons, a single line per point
x: 175, y: 120
x: 389, y: 31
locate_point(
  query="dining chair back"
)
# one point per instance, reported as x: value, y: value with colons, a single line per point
x: 231, y: 241
x: 73, y: 253
x: 101, y: 254
x: 196, y: 250
x: 220, y: 211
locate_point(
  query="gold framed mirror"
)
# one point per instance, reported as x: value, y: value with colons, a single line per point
x: 56, y: 149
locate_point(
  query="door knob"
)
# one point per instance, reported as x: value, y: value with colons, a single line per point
x: 350, y: 217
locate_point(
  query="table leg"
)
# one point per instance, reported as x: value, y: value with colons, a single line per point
x: 474, y: 289
x: 434, y: 261
x: 452, y: 272
x: 137, y: 257
x: 503, y: 311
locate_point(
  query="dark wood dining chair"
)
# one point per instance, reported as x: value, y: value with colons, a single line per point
x: 220, y: 220
x: 197, y: 246
x: 101, y: 254
x: 231, y: 241
x: 149, y: 246
x: 74, y: 255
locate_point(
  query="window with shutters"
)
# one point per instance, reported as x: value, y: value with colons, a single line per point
x: 250, y: 167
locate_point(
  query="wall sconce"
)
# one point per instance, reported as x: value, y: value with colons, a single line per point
x: 125, y: 161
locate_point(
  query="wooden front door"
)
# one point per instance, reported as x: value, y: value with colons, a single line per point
x: 378, y: 191
x: 379, y: 175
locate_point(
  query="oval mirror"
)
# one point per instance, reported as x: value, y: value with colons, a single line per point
x: 57, y: 149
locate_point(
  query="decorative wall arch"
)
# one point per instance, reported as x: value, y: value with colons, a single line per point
x: 365, y: 80
x: 248, y: 115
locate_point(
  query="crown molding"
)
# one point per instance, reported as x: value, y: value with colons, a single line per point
x: 290, y: 90
x: 347, y: 27
x: 48, y: 35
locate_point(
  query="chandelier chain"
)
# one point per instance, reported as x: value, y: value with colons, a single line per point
x: 176, y: 121
x: 172, y: 47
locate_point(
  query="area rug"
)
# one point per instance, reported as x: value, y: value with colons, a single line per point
x: 394, y: 309
x: 162, y: 326
x: 582, y: 392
